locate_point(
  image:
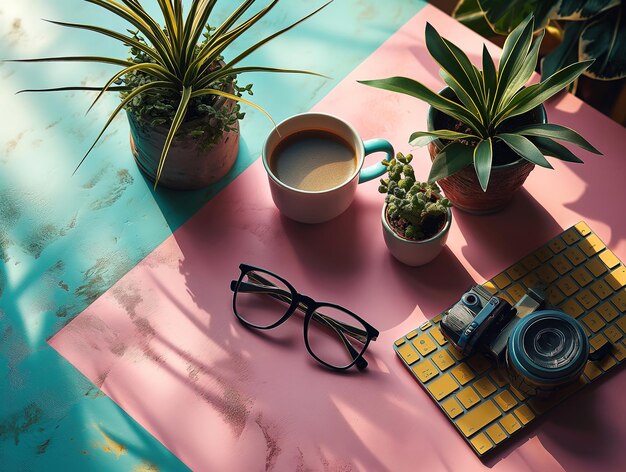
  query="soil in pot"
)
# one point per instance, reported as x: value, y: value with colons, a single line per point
x: 431, y: 226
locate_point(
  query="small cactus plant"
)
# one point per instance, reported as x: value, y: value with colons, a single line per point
x: 415, y: 210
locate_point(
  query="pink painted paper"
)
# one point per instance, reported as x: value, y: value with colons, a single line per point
x: 164, y: 344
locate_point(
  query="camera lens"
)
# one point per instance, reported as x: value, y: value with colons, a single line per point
x: 469, y: 299
x: 546, y: 349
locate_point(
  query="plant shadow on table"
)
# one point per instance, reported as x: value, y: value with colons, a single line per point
x: 496, y: 241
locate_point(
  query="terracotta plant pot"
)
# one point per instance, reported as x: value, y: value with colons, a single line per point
x: 189, y: 164
x: 463, y: 188
x: 414, y: 253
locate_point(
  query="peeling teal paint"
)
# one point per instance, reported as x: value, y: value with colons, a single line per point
x: 65, y: 239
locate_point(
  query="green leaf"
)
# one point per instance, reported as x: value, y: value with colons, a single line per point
x: 523, y: 75
x: 576, y: 10
x: 422, y: 138
x: 490, y: 76
x: 524, y: 148
x: 451, y: 159
x: 604, y: 39
x: 415, y: 89
x: 469, y: 102
x: 67, y: 89
x: 178, y: 119
x: 469, y: 13
x: 224, y: 72
x: 566, y: 52
x: 551, y: 148
x: 482, y: 162
x: 535, y: 95
x: 504, y: 16
x: 99, y: 59
x: 563, y: 133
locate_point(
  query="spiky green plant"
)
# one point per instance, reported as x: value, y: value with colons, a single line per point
x: 486, y: 100
x: 417, y: 203
x: 176, y: 62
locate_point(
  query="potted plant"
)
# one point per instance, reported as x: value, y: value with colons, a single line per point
x: 180, y: 94
x: 487, y: 130
x: 415, y: 218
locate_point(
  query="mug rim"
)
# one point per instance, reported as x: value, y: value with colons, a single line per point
x: 360, y: 151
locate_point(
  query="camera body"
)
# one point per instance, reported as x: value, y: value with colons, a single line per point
x: 542, y: 349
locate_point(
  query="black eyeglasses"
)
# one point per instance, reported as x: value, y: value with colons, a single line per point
x: 334, y: 336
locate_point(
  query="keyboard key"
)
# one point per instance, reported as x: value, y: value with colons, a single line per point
x: 609, y: 258
x: 524, y: 414
x: 543, y: 254
x: 554, y: 295
x: 425, y: 370
x: 501, y: 281
x: 520, y: 395
x: 505, y: 400
x: 516, y: 272
x: 592, y: 371
x: 484, y: 387
x: 619, y: 300
x: 408, y: 354
x: 437, y: 318
x: 531, y: 280
x: 468, y: 397
x: 557, y: 245
x: 547, y: 274
x: 442, y: 387
x: 598, y: 341
x: 438, y: 335
x: 607, y: 363
x: 596, y: 267
x: 399, y: 342
x: 510, y: 423
x: 594, y: 322
x: 426, y: 325
x: 582, y: 228
x: 617, y: 278
x: 567, y: 285
x: 607, y: 312
x: 570, y: 236
x: 592, y: 245
x: 572, y: 308
x: 481, y: 443
x: 601, y: 289
x: 479, y: 363
x: 613, y: 333
x: 561, y: 265
x: 516, y: 292
x: 463, y: 373
x: 587, y: 299
x: 496, y: 433
x: 530, y: 262
x: 622, y: 323
x: 455, y: 353
x: 452, y: 407
x: 443, y: 360
x: 506, y: 297
x: 490, y: 287
x: 424, y: 344
x: 582, y: 276
x: 575, y: 256
x: 412, y: 334
x: 479, y: 417
x: 619, y: 351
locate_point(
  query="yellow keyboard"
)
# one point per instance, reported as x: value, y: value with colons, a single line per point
x: 584, y: 279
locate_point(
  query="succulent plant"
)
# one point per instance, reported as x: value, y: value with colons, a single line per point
x: 486, y: 100
x: 411, y: 203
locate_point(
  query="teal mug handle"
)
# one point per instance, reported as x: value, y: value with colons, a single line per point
x: 378, y: 169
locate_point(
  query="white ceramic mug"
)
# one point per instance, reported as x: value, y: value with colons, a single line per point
x: 309, y: 206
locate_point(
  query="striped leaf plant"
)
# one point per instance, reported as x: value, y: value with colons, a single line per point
x: 179, y: 57
x: 486, y: 99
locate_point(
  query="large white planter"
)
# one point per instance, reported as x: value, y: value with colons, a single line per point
x: 414, y: 253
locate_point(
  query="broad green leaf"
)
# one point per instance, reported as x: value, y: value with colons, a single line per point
x: 490, y: 76
x: 576, y: 10
x: 537, y: 94
x: 483, y: 153
x: 469, y: 13
x: 523, y: 75
x: 503, y: 16
x: 549, y: 130
x: 176, y: 122
x: 450, y: 160
x: 551, y: 148
x: 604, y: 39
x: 423, y: 138
x: 566, y: 52
x: 469, y: 102
x: 524, y: 148
x: 415, y: 89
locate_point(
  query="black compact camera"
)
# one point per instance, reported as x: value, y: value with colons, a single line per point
x: 541, y: 348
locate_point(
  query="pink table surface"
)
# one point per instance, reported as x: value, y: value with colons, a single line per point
x: 163, y: 342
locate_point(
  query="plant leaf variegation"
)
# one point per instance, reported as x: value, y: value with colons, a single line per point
x: 175, y: 59
x: 486, y: 100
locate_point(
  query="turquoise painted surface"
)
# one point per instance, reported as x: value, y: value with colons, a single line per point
x: 64, y: 240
